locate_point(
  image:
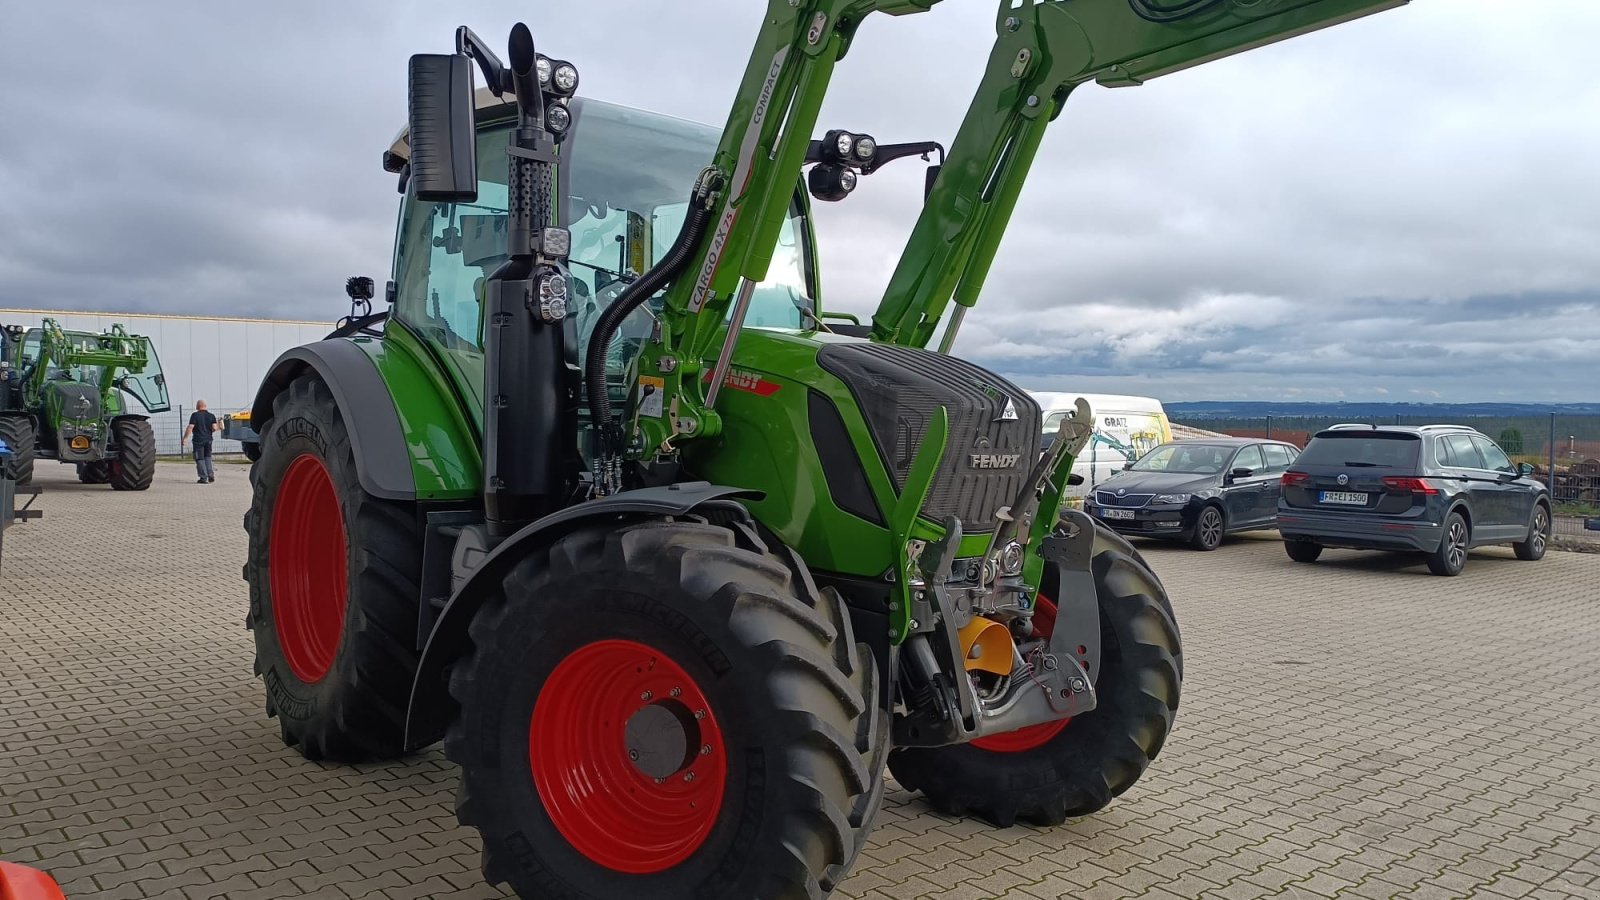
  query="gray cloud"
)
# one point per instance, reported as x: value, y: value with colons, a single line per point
x: 1402, y: 204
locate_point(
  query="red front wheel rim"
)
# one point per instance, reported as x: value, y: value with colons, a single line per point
x: 1033, y: 736
x: 306, y: 565
x: 627, y: 757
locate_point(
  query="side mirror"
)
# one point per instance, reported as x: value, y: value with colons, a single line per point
x: 444, y: 145
x: 1525, y: 469
x: 1241, y: 473
x: 932, y: 176
x: 1074, y: 479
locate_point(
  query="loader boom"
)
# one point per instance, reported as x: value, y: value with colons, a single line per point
x: 1042, y: 52
x: 1043, y: 49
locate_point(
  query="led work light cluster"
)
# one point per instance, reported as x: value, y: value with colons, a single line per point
x: 559, y: 79
x: 844, y: 156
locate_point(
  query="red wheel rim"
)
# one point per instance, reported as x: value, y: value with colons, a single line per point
x: 1033, y: 736
x: 306, y: 561
x: 630, y: 805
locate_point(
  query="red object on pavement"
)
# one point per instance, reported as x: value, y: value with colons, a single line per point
x: 22, y: 883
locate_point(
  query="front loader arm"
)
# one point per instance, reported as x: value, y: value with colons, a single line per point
x: 1045, y: 49
x: 763, y: 147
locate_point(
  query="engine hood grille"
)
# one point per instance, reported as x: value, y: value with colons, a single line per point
x: 994, y: 425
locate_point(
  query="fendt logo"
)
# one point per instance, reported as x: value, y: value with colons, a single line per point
x: 994, y: 460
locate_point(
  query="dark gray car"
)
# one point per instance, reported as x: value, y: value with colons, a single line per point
x: 1195, y: 491
x: 1436, y: 489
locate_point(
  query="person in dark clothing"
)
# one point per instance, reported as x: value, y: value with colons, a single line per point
x: 202, y: 424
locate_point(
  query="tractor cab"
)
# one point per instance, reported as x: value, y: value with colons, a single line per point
x: 623, y: 199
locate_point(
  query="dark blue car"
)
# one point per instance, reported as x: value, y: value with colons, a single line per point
x: 1439, y: 490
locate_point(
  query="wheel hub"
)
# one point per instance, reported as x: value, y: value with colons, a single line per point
x: 627, y: 756
x: 658, y: 739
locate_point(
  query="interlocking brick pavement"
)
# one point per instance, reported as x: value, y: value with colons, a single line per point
x: 1356, y: 728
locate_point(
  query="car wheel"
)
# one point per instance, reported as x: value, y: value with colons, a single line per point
x: 1208, y: 529
x: 1302, y: 551
x: 1532, y: 549
x: 1451, y: 557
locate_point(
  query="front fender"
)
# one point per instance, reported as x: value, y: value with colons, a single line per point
x: 425, y: 716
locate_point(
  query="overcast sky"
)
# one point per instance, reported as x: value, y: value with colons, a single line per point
x: 1407, y: 206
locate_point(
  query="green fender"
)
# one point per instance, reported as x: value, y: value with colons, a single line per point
x: 421, y: 449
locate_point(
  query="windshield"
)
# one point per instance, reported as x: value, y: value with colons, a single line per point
x: 628, y: 185
x: 1185, y: 459
x: 1388, y: 450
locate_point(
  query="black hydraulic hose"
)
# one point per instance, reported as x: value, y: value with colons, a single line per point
x: 632, y: 297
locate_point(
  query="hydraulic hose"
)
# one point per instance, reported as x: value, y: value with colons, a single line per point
x: 671, y: 264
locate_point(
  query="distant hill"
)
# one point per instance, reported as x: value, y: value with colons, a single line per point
x: 1362, y: 411
x: 1521, y: 428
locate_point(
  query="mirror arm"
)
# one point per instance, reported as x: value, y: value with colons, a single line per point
x: 494, y: 71
x: 885, y: 154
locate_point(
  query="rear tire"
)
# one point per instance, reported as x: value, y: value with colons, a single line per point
x: 1451, y: 557
x: 1096, y: 756
x: 569, y: 656
x: 17, y: 432
x: 1302, y: 551
x: 1533, y: 547
x: 95, y: 472
x: 134, y: 468
x: 1209, y: 528
x: 334, y: 578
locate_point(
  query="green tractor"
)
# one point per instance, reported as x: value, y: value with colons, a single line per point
x: 61, y: 398
x: 678, y: 564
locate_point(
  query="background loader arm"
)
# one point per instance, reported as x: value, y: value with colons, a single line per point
x: 1044, y: 49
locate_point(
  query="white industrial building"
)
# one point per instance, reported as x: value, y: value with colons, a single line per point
x: 216, y: 359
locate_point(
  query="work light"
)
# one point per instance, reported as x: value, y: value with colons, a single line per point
x: 557, y: 119
x: 564, y: 78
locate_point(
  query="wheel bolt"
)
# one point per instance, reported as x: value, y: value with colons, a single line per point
x: 661, y: 781
x: 633, y: 755
x: 677, y: 692
x: 705, y: 750
x: 646, y: 696
x: 699, y: 714
x: 689, y: 777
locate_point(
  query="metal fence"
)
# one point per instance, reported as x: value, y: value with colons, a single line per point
x: 169, y: 428
x: 1564, y: 451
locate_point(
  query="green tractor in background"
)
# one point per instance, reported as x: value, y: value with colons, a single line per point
x: 677, y: 563
x: 62, y: 398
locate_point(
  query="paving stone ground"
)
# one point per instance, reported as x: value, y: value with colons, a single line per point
x: 1357, y: 728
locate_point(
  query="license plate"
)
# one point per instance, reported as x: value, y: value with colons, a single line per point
x: 1116, y: 513
x: 1345, y: 498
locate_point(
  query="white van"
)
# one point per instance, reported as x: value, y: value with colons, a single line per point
x: 1125, y: 428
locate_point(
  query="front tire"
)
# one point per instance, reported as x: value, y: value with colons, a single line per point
x: 18, y: 433
x: 134, y: 467
x: 1048, y: 772
x: 1451, y: 556
x: 696, y: 689
x: 1209, y: 528
x: 1533, y: 547
x: 334, y: 579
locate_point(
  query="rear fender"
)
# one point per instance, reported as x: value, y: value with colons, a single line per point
x: 381, y: 461
x: 422, y: 448
x: 427, y: 714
